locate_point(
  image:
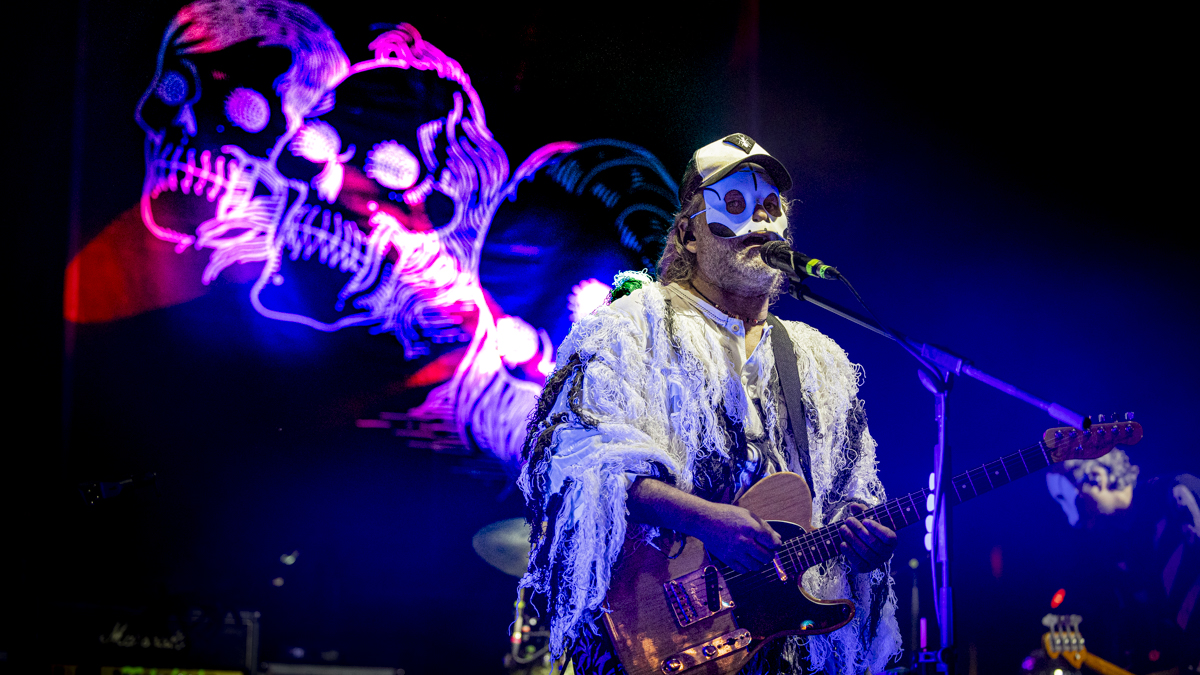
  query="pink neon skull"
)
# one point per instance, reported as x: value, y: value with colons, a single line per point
x: 402, y: 178
x: 382, y: 174
x: 233, y: 84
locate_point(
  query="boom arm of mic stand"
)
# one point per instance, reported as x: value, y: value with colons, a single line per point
x: 944, y: 359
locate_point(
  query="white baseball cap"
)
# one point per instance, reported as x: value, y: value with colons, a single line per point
x: 717, y: 159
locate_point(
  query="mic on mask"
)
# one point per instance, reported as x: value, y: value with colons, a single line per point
x: 779, y: 255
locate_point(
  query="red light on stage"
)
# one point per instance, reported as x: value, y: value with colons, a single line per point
x: 1058, y: 598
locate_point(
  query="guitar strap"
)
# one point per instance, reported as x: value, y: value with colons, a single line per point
x: 793, y: 396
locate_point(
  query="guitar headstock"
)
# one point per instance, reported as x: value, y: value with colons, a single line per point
x: 1065, y: 443
x: 1064, y: 638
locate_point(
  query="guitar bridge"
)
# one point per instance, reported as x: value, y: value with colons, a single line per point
x: 698, y: 595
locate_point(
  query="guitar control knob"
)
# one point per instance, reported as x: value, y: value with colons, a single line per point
x: 672, y: 665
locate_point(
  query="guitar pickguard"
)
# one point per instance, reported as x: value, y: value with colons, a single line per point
x: 646, y: 629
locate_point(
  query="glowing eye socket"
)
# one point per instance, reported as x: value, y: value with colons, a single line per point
x: 247, y: 109
x: 393, y: 166
x: 317, y: 141
x: 771, y: 204
x: 734, y: 202
x: 172, y: 88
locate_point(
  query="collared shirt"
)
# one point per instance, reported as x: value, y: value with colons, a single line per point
x: 755, y: 371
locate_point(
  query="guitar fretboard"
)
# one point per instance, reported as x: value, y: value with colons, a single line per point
x: 822, y: 544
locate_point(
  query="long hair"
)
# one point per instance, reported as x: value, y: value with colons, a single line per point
x: 676, y: 262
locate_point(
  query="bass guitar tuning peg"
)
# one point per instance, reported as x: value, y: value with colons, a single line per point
x: 1129, y: 417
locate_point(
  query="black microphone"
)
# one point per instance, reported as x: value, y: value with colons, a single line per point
x: 779, y: 255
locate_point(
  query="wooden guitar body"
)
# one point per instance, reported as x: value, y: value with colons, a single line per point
x: 692, y: 613
x: 646, y: 628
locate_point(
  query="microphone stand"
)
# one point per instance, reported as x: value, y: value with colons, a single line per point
x: 937, y: 371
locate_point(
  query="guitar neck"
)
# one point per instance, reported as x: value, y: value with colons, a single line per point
x: 822, y: 544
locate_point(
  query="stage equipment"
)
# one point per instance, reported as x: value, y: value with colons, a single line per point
x: 779, y: 255
x: 1065, y: 639
x: 671, y: 613
x: 315, y: 669
x: 504, y: 545
x: 530, y: 653
x: 100, y: 636
x: 937, y: 369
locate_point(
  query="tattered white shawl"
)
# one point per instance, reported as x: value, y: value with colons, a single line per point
x: 651, y: 397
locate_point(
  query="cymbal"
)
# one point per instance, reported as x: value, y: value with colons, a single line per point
x: 504, y: 545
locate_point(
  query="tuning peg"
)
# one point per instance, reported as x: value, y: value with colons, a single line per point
x: 1100, y: 419
x: 1129, y: 417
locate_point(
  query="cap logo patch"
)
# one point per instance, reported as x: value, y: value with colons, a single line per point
x: 740, y: 140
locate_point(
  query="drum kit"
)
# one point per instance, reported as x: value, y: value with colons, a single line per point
x: 505, y: 546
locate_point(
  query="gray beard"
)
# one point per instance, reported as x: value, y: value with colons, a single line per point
x: 731, y: 267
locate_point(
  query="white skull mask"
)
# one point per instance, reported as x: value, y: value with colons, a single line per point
x: 732, y: 202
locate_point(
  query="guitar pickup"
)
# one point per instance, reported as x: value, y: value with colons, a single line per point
x: 698, y: 595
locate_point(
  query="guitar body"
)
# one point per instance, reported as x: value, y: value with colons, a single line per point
x: 692, y: 614
x: 644, y: 617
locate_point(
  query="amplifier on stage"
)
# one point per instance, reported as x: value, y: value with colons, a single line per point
x: 102, y: 639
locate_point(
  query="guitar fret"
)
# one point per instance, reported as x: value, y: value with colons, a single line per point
x: 829, y: 548
x: 822, y: 544
x: 887, y: 509
x: 815, y: 547
x: 1045, y: 455
x: 957, y: 494
x: 994, y: 475
x: 914, y: 508
x: 981, y: 472
x: 970, y: 482
x: 1017, y: 464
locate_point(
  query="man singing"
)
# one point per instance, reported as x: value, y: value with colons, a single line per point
x: 666, y: 406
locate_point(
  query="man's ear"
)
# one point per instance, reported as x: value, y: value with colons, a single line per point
x: 689, y: 238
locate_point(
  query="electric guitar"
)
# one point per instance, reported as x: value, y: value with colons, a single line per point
x: 693, y: 613
x: 1064, y: 639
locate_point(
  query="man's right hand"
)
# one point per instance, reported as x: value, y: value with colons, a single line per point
x: 739, y: 538
x: 730, y: 533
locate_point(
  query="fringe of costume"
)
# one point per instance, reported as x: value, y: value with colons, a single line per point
x: 641, y: 390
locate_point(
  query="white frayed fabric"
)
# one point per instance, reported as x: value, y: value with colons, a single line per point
x: 656, y: 386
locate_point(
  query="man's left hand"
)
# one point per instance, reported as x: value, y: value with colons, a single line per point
x: 867, y: 544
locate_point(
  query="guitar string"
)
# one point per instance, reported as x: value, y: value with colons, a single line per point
x: 793, y: 550
x: 830, y: 536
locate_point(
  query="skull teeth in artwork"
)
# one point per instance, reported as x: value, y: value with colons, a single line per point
x: 175, y: 170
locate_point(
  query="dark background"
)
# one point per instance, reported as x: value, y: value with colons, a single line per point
x: 1006, y: 182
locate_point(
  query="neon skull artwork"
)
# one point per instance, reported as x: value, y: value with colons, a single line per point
x: 286, y: 165
x: 233, y: 84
